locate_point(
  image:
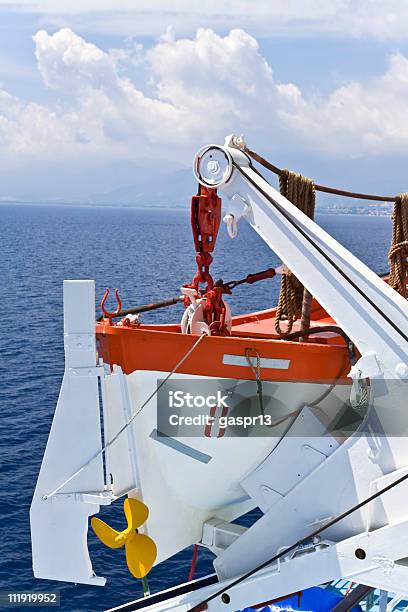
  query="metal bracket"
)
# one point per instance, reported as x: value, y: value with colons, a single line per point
x: 100, y: 498
x: 368, y: 366
x: 239, y: 209
x: 218, y: 535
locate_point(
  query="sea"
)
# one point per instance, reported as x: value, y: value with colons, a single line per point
x: 147, y: 254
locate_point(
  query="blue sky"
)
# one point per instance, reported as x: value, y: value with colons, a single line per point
x: 133, y: 86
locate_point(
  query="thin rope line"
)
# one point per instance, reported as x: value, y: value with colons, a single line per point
x: 119, y: 433
x: 323, y: 188
x: 257, y: 373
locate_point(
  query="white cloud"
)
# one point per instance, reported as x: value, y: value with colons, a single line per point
x: 69, y: 63
x: 30, y: 128
x: 386, y: 19
x: 199, y: 89
x: 196, y: 90
x: 358, y: 118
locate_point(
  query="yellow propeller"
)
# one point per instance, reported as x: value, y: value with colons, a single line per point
x: 141, y: 551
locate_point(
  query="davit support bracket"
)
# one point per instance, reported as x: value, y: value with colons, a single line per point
x: 59, y: 514
x: 374, y: 559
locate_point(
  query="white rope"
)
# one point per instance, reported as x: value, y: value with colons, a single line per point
x: 120, y: 432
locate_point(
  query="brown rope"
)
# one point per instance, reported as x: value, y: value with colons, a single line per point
x: 341, y: 192
x: 301, y: 192
x: 398, y: 253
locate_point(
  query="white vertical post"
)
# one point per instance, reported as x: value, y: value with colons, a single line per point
x: 79, y: 323
x: 59, y: 514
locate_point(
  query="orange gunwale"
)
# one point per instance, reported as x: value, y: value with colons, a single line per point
x: 160, y: 347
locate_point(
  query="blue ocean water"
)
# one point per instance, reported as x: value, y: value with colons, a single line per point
x: 148, y: 254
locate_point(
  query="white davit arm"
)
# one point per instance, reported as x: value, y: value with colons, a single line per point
x: 374, y: 316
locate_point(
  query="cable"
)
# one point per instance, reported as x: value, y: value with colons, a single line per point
x: 199, y: 607
x: 320, y: 329
x: 323, y: 188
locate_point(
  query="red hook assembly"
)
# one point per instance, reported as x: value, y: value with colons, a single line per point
x: 106, y: 313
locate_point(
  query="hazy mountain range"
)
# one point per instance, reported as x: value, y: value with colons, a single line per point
x: 173, y: 189
x: 166, y: 184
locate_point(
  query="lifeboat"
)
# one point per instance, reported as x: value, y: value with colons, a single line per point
x: 200, y: 466
x: 199, y: 422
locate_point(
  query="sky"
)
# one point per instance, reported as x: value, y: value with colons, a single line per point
x: 99, y: 94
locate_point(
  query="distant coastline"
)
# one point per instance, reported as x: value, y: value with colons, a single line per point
x: 380, y: 210
x: 352, y: 211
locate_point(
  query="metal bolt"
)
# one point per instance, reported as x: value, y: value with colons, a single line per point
x: 402, y: 370
x: 213, y: 166
x: 360, y: 554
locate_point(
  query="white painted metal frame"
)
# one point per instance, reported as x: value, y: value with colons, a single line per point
x: 380, y: 569
x: 369, y: 311
x: 315, y: 257
x: 59, y: 523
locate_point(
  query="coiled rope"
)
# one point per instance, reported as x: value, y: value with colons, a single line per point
x: 301, y: 192
x: 398, y: 254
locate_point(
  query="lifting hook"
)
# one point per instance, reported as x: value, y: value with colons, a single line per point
x: 107, y: 314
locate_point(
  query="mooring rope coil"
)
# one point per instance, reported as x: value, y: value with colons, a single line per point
x: 129, y: 422
x: 301, y: 192
x: 398, y: 254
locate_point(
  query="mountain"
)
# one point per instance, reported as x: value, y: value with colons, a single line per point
x: 166, y: 183
x: 76, y: 181
x: 173, y: 189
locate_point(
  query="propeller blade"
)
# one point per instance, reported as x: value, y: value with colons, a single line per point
x: 136, y: 512
x: 141, y: 553
x: 105, y: 533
